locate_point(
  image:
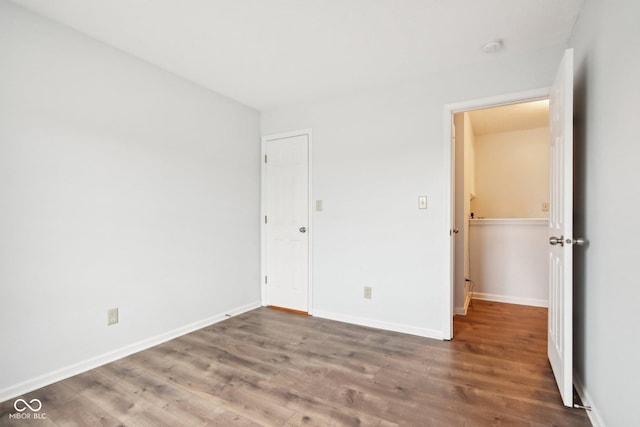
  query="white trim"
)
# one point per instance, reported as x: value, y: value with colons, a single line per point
x: 511, y: 300
x: 593, y: 414
x: 310, y: 228
x: 94, y: 362
x: 463, y: 310
x: 508, y: 221
x: 448, y: 111
x: 387, y: 326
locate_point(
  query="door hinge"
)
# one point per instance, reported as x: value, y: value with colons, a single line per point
x: 265, y: 280
x: 265, y: 158
x: 265, y: 219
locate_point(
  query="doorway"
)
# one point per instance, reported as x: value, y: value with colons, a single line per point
x: 560, y: 236
x: 450, y: 149
x: 501, y: 205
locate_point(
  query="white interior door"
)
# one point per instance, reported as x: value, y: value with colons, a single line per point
x: 286, y: 229
x: 560, y: 330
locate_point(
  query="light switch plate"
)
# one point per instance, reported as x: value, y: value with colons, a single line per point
x: 112, y: 316
x: 422, y: 202
x: 318, y: 205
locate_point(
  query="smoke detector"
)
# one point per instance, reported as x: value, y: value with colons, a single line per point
x: 493, y: 47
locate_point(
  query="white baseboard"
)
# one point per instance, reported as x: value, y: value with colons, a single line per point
x: 86, y: 365
x: 389, y: 326
x: 593, y: 414
x: 511, y: 300
x: 463, y: 310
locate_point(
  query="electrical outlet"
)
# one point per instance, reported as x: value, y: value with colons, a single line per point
x: 112, y: 316
x: 367, y: 292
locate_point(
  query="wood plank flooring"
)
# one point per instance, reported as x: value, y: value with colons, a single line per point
x: 272, y: 368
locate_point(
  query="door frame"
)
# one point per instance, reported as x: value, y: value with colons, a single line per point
x: 449, y: 195
x: 263, y: 207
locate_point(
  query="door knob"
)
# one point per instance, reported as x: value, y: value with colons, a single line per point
x: 577, y: 241
x: 456, y: 231
x: 303, y: 229
x: 556, y: 240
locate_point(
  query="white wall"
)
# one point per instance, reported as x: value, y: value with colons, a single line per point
x: 509, y: 260
x: 469, y: 160
x: 512, y: 174
x: 607, y: 41
x: 121, y: 185
x: 374, y: 153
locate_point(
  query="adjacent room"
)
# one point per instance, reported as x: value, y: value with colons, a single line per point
x: 502, y: 204
x: 244, y: 213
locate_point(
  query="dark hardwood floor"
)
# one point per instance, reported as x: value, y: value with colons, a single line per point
x: 272, y: 368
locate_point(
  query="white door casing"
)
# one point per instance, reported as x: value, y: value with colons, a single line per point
x: 286, y: 222
x: 560, y: 328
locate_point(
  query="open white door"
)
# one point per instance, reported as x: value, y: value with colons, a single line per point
x: 560, y: 330
x: 286, y: 222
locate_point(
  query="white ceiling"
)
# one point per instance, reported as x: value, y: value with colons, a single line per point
x: 506, y: 118
x: 268, y: 53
